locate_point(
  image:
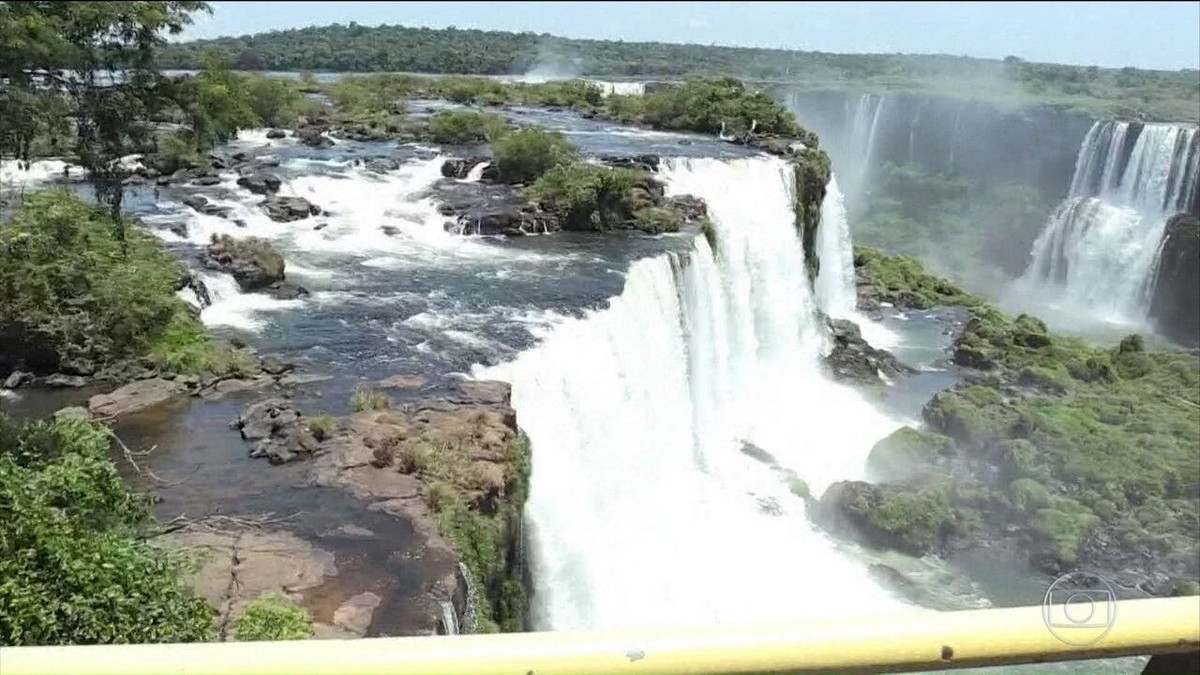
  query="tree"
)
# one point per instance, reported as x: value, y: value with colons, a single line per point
x: 99, y: 59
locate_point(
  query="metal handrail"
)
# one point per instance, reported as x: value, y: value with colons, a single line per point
x: 898, y: 642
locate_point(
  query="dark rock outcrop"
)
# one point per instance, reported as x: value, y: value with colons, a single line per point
x: 1175, y: 306
x: 278, y: 431
x: 288, y: 209
x: 460, y: 168
x: 260, y: 183
x: 381, y: 165
x: 314, y: 138
x: 276, y: 134
x: 853, y: 358
x: 190, y: 280
x: 253, y: 262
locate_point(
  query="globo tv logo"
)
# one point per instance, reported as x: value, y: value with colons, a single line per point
x: 1079, y: 608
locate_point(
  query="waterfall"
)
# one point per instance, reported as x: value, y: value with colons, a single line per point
x: 642, y: 509
x: 835, y: 286
x: 1099, y: 250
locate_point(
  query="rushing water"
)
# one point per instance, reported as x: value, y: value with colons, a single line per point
x: 835, y: 286
x: 1099, y: 251
x: 642, y: 509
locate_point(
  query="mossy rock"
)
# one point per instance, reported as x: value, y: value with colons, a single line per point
x: 908, y: 453
x: 885, y: 516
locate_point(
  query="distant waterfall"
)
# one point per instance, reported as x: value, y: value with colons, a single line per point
x: 835, y: 286
x: 642, y: 509
x: 1099, y: 250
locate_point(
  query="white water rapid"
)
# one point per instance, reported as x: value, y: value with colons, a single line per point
x: 642, y: 509
x: 1099, y: 250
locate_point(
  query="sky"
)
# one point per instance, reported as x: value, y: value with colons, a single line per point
x: 1158, y: 35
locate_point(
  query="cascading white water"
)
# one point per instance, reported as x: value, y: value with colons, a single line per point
x: 834, y: 285
x: 642, y: 510
x: 1099, y: 250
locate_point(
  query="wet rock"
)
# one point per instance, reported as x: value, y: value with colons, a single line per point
x: 313, y: 138
x: 285, y: 290
x: 459, y: 168
x: 288, y: 209
x: 756, y: 453
x: 207, y: 180
x: 220, y: 389
x: 17, y: 378
x: 260, y: 183
x: 276, y: 134
x: 196, y: 202
x: 691, y: 208
x: 299, y: 380
x: 402, y: 382
x: 381, y: 165
x: 644, y: 162
x: 253, y: 262
x: 853, y: 358
x: 275, y: 425
x: 1175, y: 305
x: 133, y: 397
x: 241, y: 157
x: 190, y: 280
x: 355, y: 614
x: 275, y: 364
x: 61, y: 381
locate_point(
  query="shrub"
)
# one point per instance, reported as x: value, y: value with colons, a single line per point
x: 272, y: 617
x: 657, y: 219
x: 273, y: 100
x: 711, y: 106
x: 460, y: 127
x: 78, y: 290
x: 589, y: 196
x: 73, y: 569
x: 369, y: 399
x: 321, y: 426
x: 522, y: 156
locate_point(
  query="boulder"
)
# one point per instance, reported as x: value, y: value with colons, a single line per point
x: 908, y: 520
x: 17, y: 378
x: 190, y: 280
x: 645, y: 162
x: 460, y: 168
x: 276, y: 427
x: 276, y: 134
x: 285, y: 290
x: 253, y: 262
x: 133, y: 397
x: 275, y: 364
x: 853, y: 358
x: 381, y: 165
x: 288, y: 209
x: 61, y: 381
x: 195, y: 202
x: 260, y: 183
x: 207, y: 181
x: 313, y: 138
x: 1175, y: 305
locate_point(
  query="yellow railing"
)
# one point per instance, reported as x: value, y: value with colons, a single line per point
x: 895, y: 643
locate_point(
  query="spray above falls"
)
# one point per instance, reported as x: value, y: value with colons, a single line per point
x: 1100, y: 248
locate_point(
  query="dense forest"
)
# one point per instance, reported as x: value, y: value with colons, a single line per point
x: 353, y: 48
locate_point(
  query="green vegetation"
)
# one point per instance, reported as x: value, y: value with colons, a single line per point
x: 914, y: 517
x: 908, y: 453
x: 369, y: 399
x: 83, y: 294
x: 461, y: 127
x: 74, y: 566
x: 710, y: 106
x: 321, y: 426
x: 588, y: 196
x: 1163, y: 95
x: 272, y: 617
x: 524, y: 155
x: 1078, y: 440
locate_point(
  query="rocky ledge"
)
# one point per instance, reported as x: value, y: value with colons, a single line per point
x: 853, y: 358
x: 454, y: 467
